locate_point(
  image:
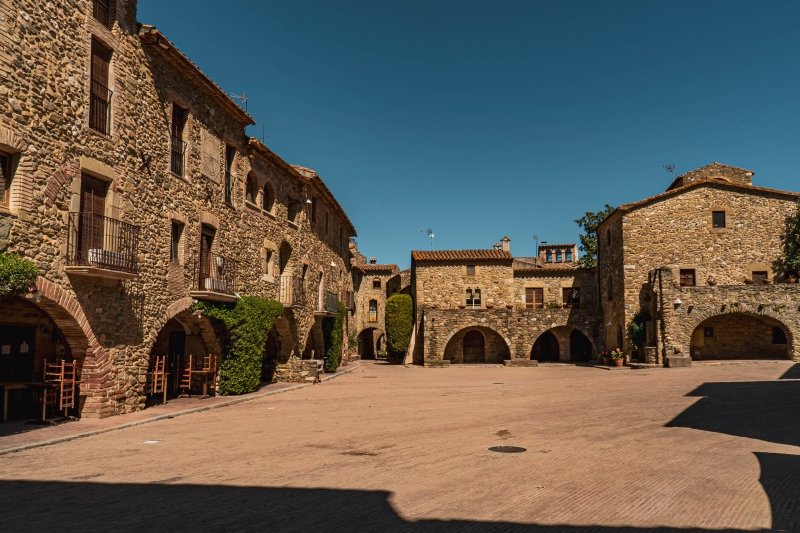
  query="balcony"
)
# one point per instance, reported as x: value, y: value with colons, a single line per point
x: 293, y: 293
x: 101, y: 247
x: 216, y: 279
x: 330, y: 305
x: 178, y: 156
x: 100, y: 108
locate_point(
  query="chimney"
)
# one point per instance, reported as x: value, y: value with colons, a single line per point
x: 373, y: 261
x: 497, y: 246
x: 505, y: 241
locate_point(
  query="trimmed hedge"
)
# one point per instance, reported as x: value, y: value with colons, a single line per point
x: 17, y: 275
x: 399, y: 324
x: 334, y: 358
x: 242, y: 328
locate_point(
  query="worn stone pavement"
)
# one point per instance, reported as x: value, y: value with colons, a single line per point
x: 391, y: 448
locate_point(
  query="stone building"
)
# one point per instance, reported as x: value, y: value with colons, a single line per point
x: 486, y: 306
x: 373, y: 284
x: 700, y: 266
x: 129, y: 180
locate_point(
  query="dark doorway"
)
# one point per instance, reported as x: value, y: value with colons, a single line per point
x: 176, y: 351
x: 18, y: 349
x: 366, y: 343
x: 580, y: 347
x: 272, y: 350
x: 474, y: 347
x: 545, y: 348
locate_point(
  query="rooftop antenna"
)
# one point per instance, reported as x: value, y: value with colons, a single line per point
x: 670, y: 169
x: 535, y: 238
x: 263, y: 136
x: 429, y: 231
x: 242, y: 98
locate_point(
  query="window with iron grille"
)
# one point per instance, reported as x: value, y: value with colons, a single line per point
x: 558, y: 256
x: 5, y: 178
x: 568, y: 258
x: 99, y: 93
x: 687, y: 277
x: 230, y: 152
x: 178, y: 152
x: 549, y: 256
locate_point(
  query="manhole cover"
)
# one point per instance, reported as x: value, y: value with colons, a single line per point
x: 370, y: 376
x: 507, y: 449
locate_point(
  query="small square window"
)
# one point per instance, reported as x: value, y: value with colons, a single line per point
x: 688, y: 278
x: 376, y: 283
x: 549, y: 256
x: 470, y: 270
x: 558, y: 256
x: 568, y: 256
x: 718, y: 219
x: 708, y: 332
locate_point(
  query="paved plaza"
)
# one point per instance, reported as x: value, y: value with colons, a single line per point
x: 393, y: 448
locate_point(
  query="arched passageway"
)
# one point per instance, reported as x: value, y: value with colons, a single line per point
x: 580, y: 347
x: 475, y: 345
x: 366, y: 343
x: 315, y: 343
x: 740, y: 336
x: 546, y: 348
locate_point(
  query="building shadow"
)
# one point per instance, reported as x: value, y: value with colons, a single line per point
x: 792, y: 373
x: 86, y: 506
x: 757, y: 410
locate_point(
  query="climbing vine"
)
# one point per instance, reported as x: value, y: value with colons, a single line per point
x: 636, y: 332
x: 17, y: 275
x: 337, y: 334
x: 242, y: 329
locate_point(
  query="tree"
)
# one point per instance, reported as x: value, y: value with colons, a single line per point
x: 791, y: 242
x: 399, y: 325
x: 589, y: 223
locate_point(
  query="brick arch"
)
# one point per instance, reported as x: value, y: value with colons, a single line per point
x: 97, y: 373
x: 476, y: 324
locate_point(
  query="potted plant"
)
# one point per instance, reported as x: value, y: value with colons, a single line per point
x: 618, y: 357
x: 748, y: 281
x: 768, y: 282
x: 490, y: 304
x: 509, y: 306
x: 676, y: 284
x: 791, y: 279
x: 606, y: 358
x: 462, y: 306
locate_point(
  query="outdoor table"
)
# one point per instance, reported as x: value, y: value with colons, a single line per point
x: 204, y: 375
x: 9, y: 385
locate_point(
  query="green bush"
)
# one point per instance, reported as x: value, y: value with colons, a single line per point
x: 17, y: 275
x: 242, y: 329
x: 636, y: 332
x: 337, y: 334
x: 399, y: 324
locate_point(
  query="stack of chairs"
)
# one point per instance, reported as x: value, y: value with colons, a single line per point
x: 62, y: 395
x: 186, y: 376
x: 159, y: 382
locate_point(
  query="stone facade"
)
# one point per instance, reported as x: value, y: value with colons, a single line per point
x: 676, y: 236
x: 177, y: 173
x: 373, y: 284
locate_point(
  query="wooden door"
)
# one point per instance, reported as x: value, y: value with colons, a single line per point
x: 206, y: 242
x: 99, y: 94
x: 92, y: 217
x: 474, y: 347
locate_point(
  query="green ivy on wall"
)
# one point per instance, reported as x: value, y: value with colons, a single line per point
x: 242, y: 328
x: 17, y: 275
x: 337, y: 334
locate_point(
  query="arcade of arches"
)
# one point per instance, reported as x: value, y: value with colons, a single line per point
x: 563, y: 344
x: 740, y: 336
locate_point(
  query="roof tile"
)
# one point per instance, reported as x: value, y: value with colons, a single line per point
x: 460, y: 255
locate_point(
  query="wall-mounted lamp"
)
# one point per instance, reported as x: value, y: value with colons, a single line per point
x: 678, y: 302
x: 609, y: 324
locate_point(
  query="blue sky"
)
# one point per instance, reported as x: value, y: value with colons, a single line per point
x: 484, y: 119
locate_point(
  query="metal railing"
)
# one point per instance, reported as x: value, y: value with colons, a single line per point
x: 178, y: 156
x: 331, y: 302
x: 292, y: 291
x: 98, y: 241
x: 100, y: 108
x: 216, y: 273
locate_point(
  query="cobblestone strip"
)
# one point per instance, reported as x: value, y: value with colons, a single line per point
x: 165, y: 416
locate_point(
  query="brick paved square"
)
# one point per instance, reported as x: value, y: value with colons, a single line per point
x: 393, y: 448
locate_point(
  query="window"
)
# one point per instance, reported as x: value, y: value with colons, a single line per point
x: 718, y: 219
x: 373, y: 310
x: 5, y: 178
x: 470, y: 270
x: 99, y: 93
x: 759, y: 277
x: 571, y: 295
x: 687, y: 277
x: 178, y: 145
x: 549, y: 256
x: 608, y: 237
x: 569, y: 256
x: 175, y: 252
x: 326, y: 223
x: 268, y: 268
x: 230, y: 152
x: 376, y: 283
x: 778, y: 336
x: 473, y: 298
x: 534, y: 298
x: 558, y: 256
x: 708, y: 332
x: 101, y: 12
x: 293, y: 209
x: 267, y: 198
x: 251, y: 189
x: 610, y: 295
x: 314, y: 209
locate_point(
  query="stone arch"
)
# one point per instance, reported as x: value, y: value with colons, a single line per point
x: 496, y: 347
x: 251, y: 189
x: 367, y: 341
x: 477, y: 324
x: 739, y: 334
x: 564, y: 337
x: 268, y: 197
x: 314, y: 342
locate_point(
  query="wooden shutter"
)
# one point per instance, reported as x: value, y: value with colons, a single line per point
x: 529, y: 298
x: 539, y: 298
x: 101, y: 58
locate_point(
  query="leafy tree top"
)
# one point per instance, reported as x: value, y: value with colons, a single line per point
x: 589, y: 223
x: 791, y: 241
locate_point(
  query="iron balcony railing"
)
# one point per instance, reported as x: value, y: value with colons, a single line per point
x: 178, y: 156
x: 100, y: 108
x: 292, y: 291
x: 216, y: 273
x: 98, y: 241
x: 331, y: 302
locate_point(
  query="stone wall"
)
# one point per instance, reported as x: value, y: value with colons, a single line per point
x: 389, y: 283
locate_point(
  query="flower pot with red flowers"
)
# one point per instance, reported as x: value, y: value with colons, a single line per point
x: 748, y: 281
x: 768, y: 282
x: 618, y: 357
x: 606, y: 358
x: 791, y: 279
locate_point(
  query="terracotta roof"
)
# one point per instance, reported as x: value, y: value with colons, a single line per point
x: 150, y: 35
x: 548, y: 245
x: 550, y: 267
x: 376, y: 268
x: 717, y: 182
x: 460, y: 255
x: 317, y: 182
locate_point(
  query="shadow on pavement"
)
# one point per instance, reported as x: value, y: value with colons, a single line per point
x: 792, y: 373
x: 767, y: 410
x: 86, y: 506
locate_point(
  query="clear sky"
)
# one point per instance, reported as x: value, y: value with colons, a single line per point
x: 485, y: 119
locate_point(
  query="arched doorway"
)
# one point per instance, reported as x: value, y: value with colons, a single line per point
x: 272, y: 353
x: 284, y: 256
x: 474, y: 347
x: 366, y: 343
x: 580, y: 347
x: 477, y: 344
x: 545, y: 348
x: 740, y: 336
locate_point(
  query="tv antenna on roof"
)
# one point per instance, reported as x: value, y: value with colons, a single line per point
x: 535, y: 238
x: 429, y: 231
x: 670, y: 169
x: 263, y: 136
x: 242, y: 98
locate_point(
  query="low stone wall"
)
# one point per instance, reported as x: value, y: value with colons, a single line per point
x: 298, y: 370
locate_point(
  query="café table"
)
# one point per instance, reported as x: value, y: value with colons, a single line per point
x: 7, y: 386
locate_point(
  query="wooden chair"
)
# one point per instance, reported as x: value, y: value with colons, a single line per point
x: 159, y: 379
x: 186, y: 376
x: 208, y: 367
x: 62, y: 395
